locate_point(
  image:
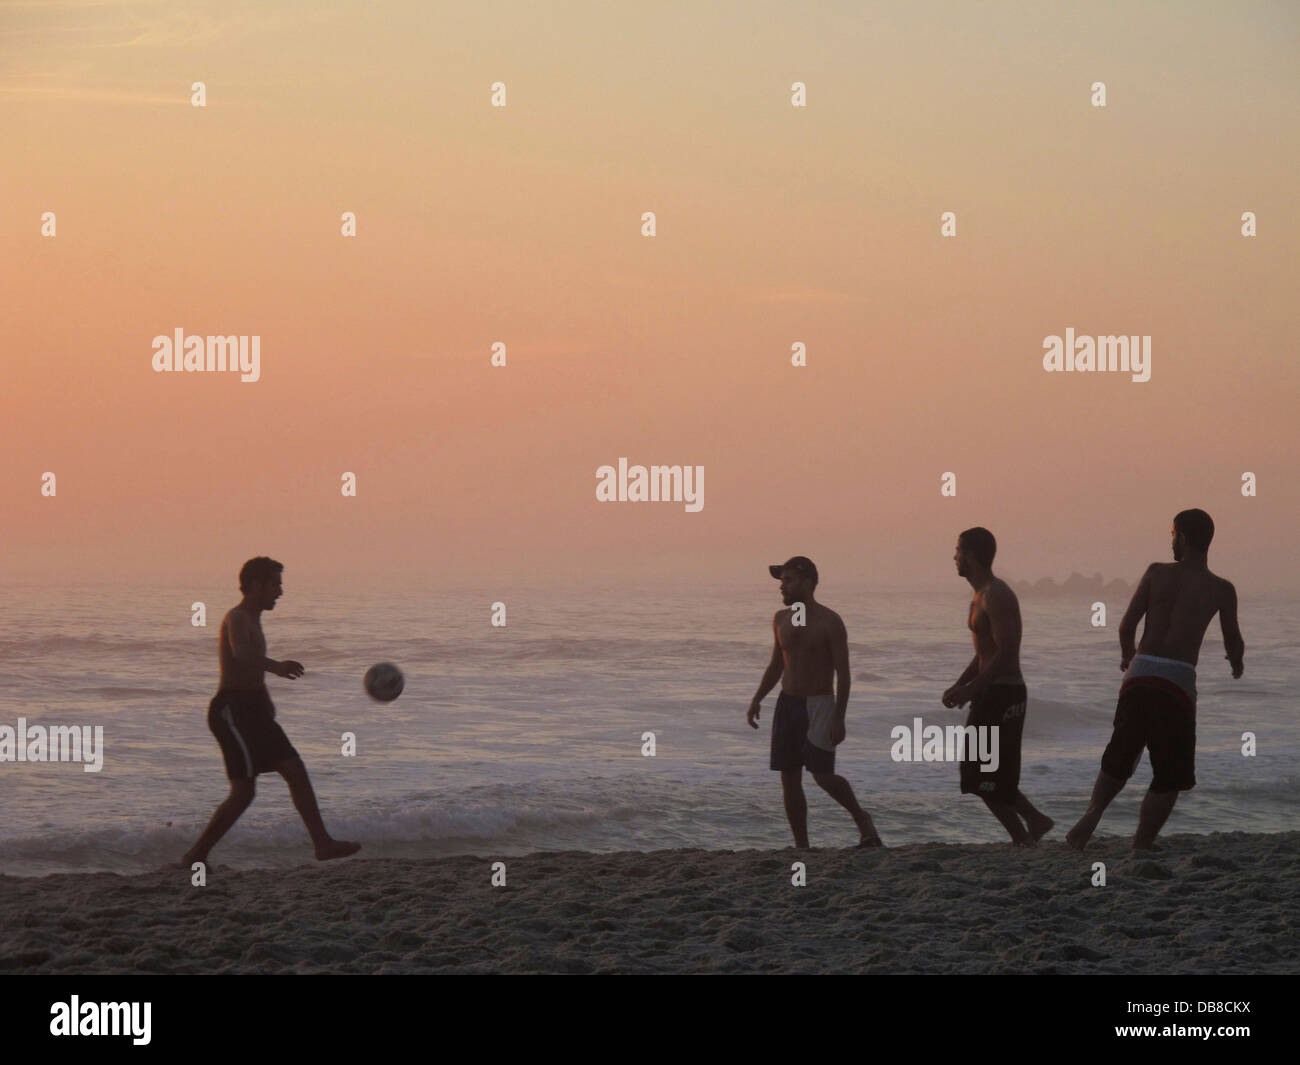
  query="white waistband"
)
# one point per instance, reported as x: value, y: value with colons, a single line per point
x: 1167, y: 661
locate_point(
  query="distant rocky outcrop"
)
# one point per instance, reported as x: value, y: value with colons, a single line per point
x: 1075, y: 585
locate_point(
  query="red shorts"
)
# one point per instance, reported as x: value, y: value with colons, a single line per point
x: 1155, y: 714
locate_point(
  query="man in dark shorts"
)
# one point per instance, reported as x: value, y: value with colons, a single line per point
x: 1157, y: 698
x: 811, y: 646
x: 242, y: 718
x: 996, y: 691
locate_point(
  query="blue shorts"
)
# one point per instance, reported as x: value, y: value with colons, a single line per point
x: 791, y: 747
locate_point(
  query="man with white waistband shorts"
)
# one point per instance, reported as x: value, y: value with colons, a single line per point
x: 1157, y: 698
x: 811, y: 647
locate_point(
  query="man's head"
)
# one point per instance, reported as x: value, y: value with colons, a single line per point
x: 798, y: 578
x: 975, y: 550
x: 1192, y: 532
x: 259, y: 580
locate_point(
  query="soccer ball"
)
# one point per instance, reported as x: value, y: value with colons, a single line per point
x: 384, y: 682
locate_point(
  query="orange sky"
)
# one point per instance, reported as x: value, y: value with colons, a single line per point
x: 522, y: 224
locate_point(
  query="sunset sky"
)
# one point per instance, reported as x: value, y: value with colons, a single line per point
x: 522, y: 224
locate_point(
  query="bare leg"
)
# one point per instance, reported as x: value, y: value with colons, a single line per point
x: 1156, y: 808
x: 841, y: 791
x: 1006, y: 813
x: 796, y: 805
x: 1106, y: 788
x: 304, y: 798
x: 1038, y: 823
x: 240, y: 798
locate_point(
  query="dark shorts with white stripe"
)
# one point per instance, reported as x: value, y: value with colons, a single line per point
x: 250, y: 740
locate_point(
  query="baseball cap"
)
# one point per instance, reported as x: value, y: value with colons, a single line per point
x: 799, y: 564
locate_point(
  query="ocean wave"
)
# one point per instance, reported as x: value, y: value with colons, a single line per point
x: 142, y: 845
x: 1048, y: 717
x: 121, y: 645
x: 118, y: 691
x: 509, y: 648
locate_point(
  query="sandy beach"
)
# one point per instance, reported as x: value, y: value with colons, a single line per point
x: 1223, y: 903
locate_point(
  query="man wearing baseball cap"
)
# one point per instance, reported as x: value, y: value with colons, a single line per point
x: 811, y: 647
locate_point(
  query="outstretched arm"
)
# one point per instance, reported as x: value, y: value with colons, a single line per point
x: 1232, y: 641
x: 1136, y: 611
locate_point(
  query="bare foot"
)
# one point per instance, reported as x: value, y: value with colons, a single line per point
x: 867, y: 834
x: 336, y: 848
x: 1080, y: 833
x: 1040, y: 827
x: 1152, y: 846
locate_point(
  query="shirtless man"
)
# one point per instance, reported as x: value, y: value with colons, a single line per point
x: 995, y: 689
x: 809, y: 719
x: 242, y: 718
x: 1157, y: 698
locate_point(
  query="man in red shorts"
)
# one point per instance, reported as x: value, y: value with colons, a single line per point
x: 1157, y: 699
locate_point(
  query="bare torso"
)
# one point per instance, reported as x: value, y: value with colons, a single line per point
x: 807, y: 650
x: 239, y: 675
x: 996, y: 596
x: 1181, y: 601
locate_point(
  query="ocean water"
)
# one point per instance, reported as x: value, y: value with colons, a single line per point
x: 529, y: 737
